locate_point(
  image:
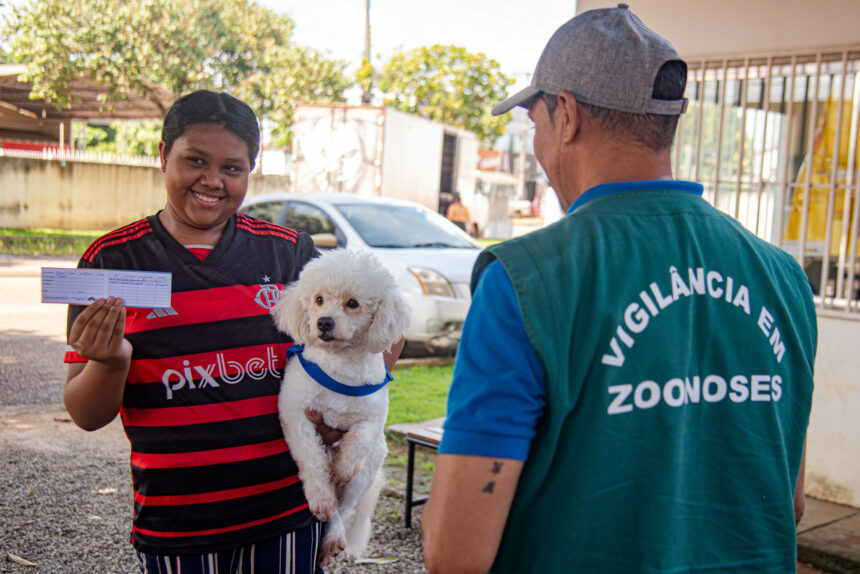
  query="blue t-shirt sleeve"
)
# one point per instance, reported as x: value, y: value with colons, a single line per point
x: 497, y: 394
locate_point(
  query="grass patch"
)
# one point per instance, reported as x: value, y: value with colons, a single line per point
x: 397, y: 458
x: 488, y: 242
x: 418, y: 393
x: 45, y: 241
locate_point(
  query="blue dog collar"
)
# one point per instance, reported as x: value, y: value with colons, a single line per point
x: 317, y: 374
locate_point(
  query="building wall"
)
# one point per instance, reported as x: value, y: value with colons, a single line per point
x: 37, y: 193
x: 706, y: 28
x: 833, y: 440
x: 411, y: 158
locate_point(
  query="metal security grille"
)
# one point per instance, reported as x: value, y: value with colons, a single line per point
x: 774, y: 140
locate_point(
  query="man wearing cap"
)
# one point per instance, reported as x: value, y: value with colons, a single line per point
x: 633, y: 383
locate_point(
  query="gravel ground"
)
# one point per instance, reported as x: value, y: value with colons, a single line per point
x: 67, y: 501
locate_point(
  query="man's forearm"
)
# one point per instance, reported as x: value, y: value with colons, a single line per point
x: 466, y: 514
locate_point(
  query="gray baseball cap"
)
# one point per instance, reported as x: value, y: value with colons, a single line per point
x: 605, y: 57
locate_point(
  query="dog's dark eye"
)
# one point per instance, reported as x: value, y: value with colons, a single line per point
x: 320, y: 300
x: 352, y: 304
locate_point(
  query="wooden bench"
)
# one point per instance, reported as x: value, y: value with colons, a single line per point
x: 428, y: 436
x: 425, y: 433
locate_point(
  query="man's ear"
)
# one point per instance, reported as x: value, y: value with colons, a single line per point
x: 570, y: 116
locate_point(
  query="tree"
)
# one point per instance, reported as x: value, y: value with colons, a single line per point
x: 147, y: 46
x: 5, y: 55
x: 140, y: 137
x: 288, y: 75
x: 447, y: 84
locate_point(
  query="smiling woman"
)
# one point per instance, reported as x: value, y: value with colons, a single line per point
x: 197, y: 382
x: 206, y: 155
x: 206, y: 175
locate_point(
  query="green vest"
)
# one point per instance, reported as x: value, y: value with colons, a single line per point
x: 677, y: 350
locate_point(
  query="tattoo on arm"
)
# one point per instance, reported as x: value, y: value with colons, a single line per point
x: 497, y: 468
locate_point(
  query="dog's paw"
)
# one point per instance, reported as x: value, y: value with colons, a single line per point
x: 322, y: 508
x: 321, y: 501
x: 331, y: 548
x: 342, y: 472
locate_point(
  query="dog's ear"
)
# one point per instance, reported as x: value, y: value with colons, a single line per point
x: 290, y: 313
x: 389, y: 323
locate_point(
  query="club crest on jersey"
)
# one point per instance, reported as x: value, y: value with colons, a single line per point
x: 268, y: 296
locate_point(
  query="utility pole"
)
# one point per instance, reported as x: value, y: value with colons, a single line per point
x: 520, y: 169
x: 521, y: 163
x: 366, y: 95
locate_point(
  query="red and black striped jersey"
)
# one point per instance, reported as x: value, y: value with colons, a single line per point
x: 210, y: 467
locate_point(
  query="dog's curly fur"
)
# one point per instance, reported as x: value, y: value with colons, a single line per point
x: 346, y: 309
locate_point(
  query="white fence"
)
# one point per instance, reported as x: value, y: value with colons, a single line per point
x: 774, y: 140
x: 55, y: 153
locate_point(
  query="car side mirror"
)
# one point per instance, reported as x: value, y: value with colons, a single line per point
x: 324, y: 240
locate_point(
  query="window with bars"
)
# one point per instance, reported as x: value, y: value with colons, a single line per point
x: 774, y: 141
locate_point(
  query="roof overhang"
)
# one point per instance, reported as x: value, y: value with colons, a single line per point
x: 85, y: 101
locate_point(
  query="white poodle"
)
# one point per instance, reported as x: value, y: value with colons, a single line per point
x: 345, y: 310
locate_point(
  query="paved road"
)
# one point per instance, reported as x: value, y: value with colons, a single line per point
x: 32, y: 335
x: 66, y: 496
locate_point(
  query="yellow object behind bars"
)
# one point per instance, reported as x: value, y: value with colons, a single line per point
x: 822, y: 166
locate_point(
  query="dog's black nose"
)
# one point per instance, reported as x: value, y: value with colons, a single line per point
x: 325, y: 324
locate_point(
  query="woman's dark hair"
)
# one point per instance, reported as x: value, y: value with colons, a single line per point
x: 220, y: 108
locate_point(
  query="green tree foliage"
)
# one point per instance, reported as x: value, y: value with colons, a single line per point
x: 447, y: 84
x: 141, y: 138
x: 364, y: 76
x: 121, y: 137
x: 146, y: 45
x: 287, y: 75
x: 99, y: 138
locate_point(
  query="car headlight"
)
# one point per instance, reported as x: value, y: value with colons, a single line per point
x: 433, y: 282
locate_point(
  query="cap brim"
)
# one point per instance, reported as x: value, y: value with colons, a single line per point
x: 517, y: 99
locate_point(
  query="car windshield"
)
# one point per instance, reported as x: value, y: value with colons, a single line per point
x: 399, y: 226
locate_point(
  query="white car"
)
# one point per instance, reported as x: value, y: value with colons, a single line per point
x: 430, y: 257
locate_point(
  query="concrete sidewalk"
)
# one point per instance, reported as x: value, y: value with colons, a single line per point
x: 828, y: 537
